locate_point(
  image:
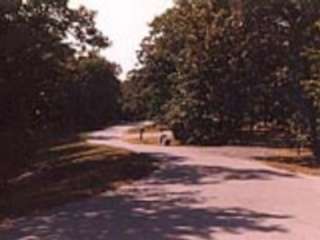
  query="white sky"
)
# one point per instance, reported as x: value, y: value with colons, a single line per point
x: 125, y: 22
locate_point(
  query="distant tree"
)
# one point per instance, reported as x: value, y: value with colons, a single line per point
x: 134, y: 97
x: 96, y: 93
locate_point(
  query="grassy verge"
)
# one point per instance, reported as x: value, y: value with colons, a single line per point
x: 151, y: 135
x: 282, y: 157
x: 148, y: 140
x: 70, y: 171
x: 152, y: 128
x: 293, y: 161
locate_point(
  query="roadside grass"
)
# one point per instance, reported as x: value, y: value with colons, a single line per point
x: 291, y: 160
x: 283, y: 155
x: 150, y: 128
x: 151, y: 135
x: 70, y: 171
x: 148, y: 140
x: 287, y: 153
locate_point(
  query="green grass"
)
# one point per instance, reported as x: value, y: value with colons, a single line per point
x: 291, y: 160
x: 149, y: 129
x: 70, y: 171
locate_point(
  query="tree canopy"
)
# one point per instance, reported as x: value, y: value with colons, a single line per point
x: 52, y: 78
x: 210, y: 69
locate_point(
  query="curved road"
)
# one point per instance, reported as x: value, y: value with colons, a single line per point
x: 216, y: 193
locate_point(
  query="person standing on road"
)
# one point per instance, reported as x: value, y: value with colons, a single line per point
x: 141, y: 132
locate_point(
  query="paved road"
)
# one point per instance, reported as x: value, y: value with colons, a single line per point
x: 198, y: 194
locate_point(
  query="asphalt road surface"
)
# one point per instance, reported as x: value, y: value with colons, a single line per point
x: 197, y: 194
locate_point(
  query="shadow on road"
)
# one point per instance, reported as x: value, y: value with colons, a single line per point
x: 173, y: 171
x: 127, y: 218
x: 138, y: 213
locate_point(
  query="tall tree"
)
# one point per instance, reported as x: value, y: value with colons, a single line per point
x: 234, y: 64
x: 41, y: 43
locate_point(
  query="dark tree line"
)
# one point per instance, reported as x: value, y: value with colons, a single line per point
x: 52, y: 79
x: 211, y: 68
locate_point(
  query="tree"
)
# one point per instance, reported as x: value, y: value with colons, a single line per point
x: 41, y: 44
x: 232, y: 65
x: 184, y: 39
x: 299, y: 20
x: 95, y: 95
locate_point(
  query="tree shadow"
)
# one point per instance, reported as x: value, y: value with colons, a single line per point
x: 149, y: 210
x: 173, y: 171
x: 127, y: 217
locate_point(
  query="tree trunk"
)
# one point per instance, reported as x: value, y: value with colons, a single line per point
x: 315, y: 136
x: 3, y: 184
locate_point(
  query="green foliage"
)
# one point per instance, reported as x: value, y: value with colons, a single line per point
x: 45, y: 83
x: 232, y: 66
x: 95, y: 93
